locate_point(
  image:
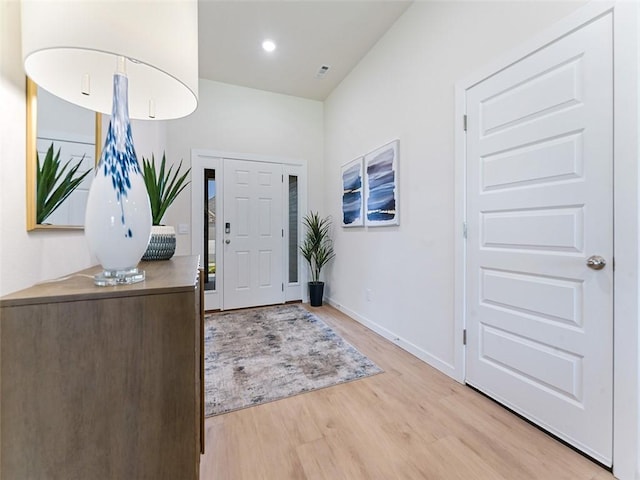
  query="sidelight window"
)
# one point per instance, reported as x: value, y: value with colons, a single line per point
x: 293, y: 228
x: 210, y: 228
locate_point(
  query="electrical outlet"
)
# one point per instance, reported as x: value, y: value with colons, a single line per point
x: 183, y: 228
x: 367, y: 294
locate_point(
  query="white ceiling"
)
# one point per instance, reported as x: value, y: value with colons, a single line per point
x: 308, y: 34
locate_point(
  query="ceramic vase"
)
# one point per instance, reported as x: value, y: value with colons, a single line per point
x: 162, y: 244
x: 118, y: 215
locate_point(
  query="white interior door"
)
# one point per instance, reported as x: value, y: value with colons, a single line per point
x: 252, y: 229
x: 539, y: 205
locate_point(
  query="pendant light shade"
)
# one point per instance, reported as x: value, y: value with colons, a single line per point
x: 70, y: 48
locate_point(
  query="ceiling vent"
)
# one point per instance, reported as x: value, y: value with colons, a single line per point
x: 322, y: 71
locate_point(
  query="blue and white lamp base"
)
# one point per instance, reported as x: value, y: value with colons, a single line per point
x: 118, y: 215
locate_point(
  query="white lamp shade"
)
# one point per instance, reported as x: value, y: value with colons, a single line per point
x: 64, y: 41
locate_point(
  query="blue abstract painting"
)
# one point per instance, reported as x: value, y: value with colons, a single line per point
x: 381, y: 169
x: 352, y: 194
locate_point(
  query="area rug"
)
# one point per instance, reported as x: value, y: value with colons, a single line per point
x: 260, y: 355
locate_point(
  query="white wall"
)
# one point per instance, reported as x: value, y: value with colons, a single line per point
x: 244, y: 120
x: 404, y: 88
x: 30, y: 257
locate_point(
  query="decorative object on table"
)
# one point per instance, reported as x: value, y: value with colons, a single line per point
x: 163, y: 188
x: 264, y: 354
x: 51, y: 187
x: 162, y: 243
x: 352, y: 194
x: 154, y: 51
x: 118, y: 229
x: 381, y: 186
x: 317, y: 250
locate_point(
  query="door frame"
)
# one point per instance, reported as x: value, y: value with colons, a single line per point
x: 626, y: 395
x: 204, y: 158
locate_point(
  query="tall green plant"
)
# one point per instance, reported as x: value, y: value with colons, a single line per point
x: 161, y: 186
x: 317, y: 247
x: 51, y: 187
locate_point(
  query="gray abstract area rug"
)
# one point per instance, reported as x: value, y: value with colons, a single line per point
x: 264, y: 354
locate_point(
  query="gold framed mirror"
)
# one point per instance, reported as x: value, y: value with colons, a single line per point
x: 73, y: 131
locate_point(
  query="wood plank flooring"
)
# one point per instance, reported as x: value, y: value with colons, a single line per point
x: 410, y: 422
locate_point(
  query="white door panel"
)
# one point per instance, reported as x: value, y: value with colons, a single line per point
x: 539, y: 203
x: 253, y: 246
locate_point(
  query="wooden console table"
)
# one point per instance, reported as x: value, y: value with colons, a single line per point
x: 103, y: 382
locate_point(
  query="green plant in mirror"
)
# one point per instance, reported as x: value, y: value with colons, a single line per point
x: 317, y: 247
x: 162, y: 187
x: 52, y: 188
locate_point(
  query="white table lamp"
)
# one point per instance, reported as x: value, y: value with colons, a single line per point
x: 133, y: 59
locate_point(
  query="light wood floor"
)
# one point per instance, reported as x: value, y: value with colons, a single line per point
x: 410, y: 422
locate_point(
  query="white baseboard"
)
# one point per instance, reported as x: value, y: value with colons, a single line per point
x: 413, y: 349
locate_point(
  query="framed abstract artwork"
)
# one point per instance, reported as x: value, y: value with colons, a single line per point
x: 381, y: 186
x: 352, y: 194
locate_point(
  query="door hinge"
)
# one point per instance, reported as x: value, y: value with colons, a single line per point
x: 464, y: 122
x: 464, y: 336
x: 464, y: 229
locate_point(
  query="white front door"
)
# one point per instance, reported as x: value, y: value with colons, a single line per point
x: 539, y: 205
x: 252, y: 231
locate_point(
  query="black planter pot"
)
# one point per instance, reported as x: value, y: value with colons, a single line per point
x: 316, y: 289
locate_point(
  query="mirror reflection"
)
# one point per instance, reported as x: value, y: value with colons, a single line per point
x: 63, y: 143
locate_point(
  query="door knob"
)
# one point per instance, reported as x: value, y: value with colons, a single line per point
x: 596, y: 262
x: 227, y: 241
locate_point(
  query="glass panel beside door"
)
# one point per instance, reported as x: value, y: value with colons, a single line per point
x: 293, y: 229
x: 210, y: 228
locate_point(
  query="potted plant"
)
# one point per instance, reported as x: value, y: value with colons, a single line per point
x: 317, y: 249
x: 51, y: 187
x: 163, y: 188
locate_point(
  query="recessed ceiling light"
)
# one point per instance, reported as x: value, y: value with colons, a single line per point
x: 268, y: 45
